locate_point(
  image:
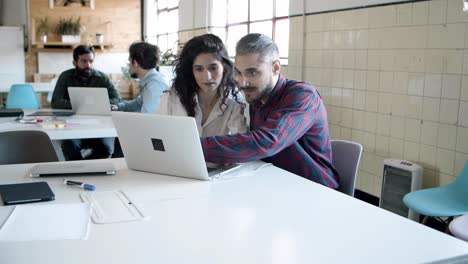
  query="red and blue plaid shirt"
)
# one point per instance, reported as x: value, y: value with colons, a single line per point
x: 290, y: 130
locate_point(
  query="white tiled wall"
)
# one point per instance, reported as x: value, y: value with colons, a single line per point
x: 395, y: 79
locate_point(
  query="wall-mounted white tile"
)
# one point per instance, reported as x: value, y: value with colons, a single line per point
x: 386, y: 82
x: 464, y: 88
x: 338, y: 59
x: 416, y: 84
x: 402, y: 60
x: 337, y: 78
x: 451, y: 85
x: 438, y: 12
x: 362, y: 39
x: 445, y: 160
x: 313, y: 23
x: 427, y: 155
x: 295, y: 58
x: 431, y: 109
x: 429, y: 133
x: 449, y: 36
x: 348, y: 59
x: 345, y: 133
x: 434, y: 61
x: 463, y: 114
x: 334, y: 115
x: 313, y: 58
x: 326, y: 40
x: 413, y: 37
x: 326, y: 78
x: 373, y: 81
x: 360, y: 62
x: 445, y: 179
x: 382, y: 145
x: 372, y: 101
x: 411, y: 151
x: 369, y: 142
x: 429, y: 180
x: 455, y: 12
x: 347, y: 98
x: 360, y: 80
x: 334, y: 131
x: 353, y: 19
x: 396, y: 148
x: 449, y: 111
x: 397, y: 127
x: 358, y: 136
x: 384, y: 16
x: 433, y: 85
x: 371, y: 122
x: 359, y: 120
x: 347, y: 117
x: 387, y: 60
x: 385, y: 103
x: 447, y: 136
x: 383, y: 124
x: 454, y: 61
x: 325, y: 92
x: 373, y: 60
x: 460, y: 160
x: 420, y: 13
x: 312, y: 75
x: 462, y: 139
x: 412, y: 130
x: 313, y: 41
x: 404, y: 14
x: 417, y: 60
x: 399, y: 103
x: 359, y: 100
x: 336, y: 96
x: 414, y: 107
x: 400, y: 83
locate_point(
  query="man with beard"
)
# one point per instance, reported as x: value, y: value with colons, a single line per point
x: 143, y: 59
x: 83, y: 75
x: 288, y: 120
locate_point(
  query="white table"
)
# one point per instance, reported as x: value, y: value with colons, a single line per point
x: 270, y: 217
x: 91, y: 127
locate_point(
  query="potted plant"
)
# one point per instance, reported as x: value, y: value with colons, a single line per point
x: 69, y: 29
x: 43, y: 28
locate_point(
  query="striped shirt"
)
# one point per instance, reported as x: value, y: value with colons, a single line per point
x: 290, y: 130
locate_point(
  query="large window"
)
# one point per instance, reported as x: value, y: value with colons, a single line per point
x: 268, y: 17
x: 162, y: 22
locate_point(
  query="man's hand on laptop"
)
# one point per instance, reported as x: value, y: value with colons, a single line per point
x: 114, y: 107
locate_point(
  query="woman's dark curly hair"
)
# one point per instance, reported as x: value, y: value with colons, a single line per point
x: 184, y: 82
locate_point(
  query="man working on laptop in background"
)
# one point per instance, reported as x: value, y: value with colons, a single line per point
x: 288, y: 120
x: 142, y: 63
x: 83, y: 75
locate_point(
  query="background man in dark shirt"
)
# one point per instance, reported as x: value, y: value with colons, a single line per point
x: 83, y: 75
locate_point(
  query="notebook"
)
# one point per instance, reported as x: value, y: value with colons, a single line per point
x: 30, y: 192
x: 163, y: 144
x: 11, y: 112
x: 72, y: 168
x: 89, y: 100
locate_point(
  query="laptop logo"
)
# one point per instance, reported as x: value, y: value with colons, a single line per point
x: 158, y: 144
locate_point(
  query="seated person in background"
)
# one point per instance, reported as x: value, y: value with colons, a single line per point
x: 288, y: 120
x: 83, y: 75
x: 204, y: 88
x: 143, y: 59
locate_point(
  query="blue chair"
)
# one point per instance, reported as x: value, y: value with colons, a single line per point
x: 22, y: 96
x: 446, y: 201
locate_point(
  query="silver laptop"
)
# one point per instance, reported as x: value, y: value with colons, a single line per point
x: 163, y: 144
x: 72, y: 168
x: 89, y: 100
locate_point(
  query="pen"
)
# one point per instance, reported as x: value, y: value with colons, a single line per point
x: 83, y: 185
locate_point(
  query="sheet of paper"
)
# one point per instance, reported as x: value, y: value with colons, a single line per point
x: 88, y: 121
x: 47, y: 222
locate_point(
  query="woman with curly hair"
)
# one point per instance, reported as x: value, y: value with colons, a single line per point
x: 204, y: 88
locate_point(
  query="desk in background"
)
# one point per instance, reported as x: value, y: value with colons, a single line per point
x: 270, y: 217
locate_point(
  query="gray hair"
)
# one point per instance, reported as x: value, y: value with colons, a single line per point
x: 256, y: 43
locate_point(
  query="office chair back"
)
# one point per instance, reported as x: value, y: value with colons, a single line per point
x: 22, y: 96
x: 346, y: 158
x: 26, y: 147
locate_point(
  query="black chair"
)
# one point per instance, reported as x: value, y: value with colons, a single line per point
x: 27, y: 146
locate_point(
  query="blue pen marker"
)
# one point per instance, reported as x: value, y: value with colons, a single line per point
x: 83, y: 185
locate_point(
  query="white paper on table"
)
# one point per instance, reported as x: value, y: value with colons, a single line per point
x: 77, y: 121
x: 47, y: 222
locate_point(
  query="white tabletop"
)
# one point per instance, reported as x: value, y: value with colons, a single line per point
x: 83, y: 127
x: 43, y: 87
x: 270, y: 217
